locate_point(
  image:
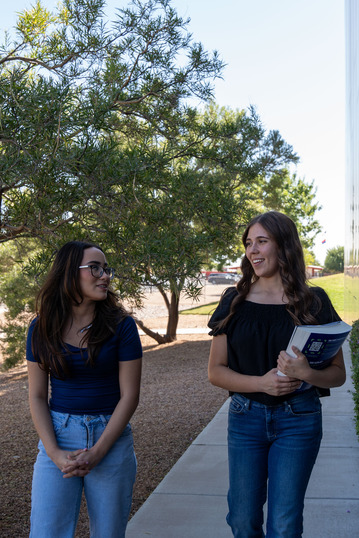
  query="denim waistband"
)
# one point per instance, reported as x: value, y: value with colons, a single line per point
x: 104, y: 418
x: 306, y: 394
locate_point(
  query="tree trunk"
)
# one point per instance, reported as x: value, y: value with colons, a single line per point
x: 173, y: 317
x: 160, y: 339
x: 172, y: 321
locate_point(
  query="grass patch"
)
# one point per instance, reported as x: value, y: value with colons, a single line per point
x: 334, y: 286
x: 203, y: 310
x: 351, y: 286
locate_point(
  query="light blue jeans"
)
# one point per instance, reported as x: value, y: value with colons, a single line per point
x: 271, y: 449
x: 108, y: 487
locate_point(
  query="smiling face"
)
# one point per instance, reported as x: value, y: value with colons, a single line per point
x: 262, y: 252
x: 93, y: 289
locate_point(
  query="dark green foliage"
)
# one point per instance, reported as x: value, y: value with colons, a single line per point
x: 100, y: 140
x: 354, y: 348
x: 334, y: 260
x: 17, y: 292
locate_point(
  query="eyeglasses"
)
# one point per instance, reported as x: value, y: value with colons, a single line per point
x: 97, y: 271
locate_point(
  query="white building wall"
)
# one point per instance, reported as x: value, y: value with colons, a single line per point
x: 351, y: 250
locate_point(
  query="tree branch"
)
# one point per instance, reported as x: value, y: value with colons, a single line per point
x: 35, y: 61
x: 160, y: 339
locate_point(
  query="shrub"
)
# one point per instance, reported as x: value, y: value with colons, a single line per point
x: 354, y: 349
x: 13, y: 344
x: 18, y: 289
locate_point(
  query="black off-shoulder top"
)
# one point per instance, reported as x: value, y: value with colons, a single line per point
x: 258, y: 332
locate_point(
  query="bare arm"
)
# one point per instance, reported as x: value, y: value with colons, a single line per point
x: 40, y: 413
x: 129, y: 377
x: 220, y: 375
x: 332, y: 376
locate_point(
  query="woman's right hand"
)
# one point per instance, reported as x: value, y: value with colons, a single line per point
x: 276, y: 385
x: 221, y: 376
x: 61, y: 460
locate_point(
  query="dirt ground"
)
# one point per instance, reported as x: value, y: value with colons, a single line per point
x: 177, y: 402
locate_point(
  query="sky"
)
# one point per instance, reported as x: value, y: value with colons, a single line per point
x: 287, y: 58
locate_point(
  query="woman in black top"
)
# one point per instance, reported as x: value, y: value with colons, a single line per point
x: 274, y: 429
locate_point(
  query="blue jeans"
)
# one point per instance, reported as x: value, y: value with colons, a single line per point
x: 108, y: 487
x: 271, y: 450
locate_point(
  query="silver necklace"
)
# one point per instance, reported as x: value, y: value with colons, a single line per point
x: 85, y: 328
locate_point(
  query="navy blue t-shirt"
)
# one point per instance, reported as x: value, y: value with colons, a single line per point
x: 93, y: 390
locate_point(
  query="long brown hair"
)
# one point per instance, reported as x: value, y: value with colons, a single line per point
x: 303, y: 304
x: 54, y: 303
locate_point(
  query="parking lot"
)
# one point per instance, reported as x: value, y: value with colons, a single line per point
x: 154, y: 306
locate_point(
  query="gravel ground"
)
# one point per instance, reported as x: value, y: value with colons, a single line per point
x: 177, y: 402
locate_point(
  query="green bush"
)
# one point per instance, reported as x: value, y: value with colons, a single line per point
x: 354, y: 349
x: 18, y: 288
x: 14, y: 340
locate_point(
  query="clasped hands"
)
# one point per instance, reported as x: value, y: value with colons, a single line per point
x: 76, y: 463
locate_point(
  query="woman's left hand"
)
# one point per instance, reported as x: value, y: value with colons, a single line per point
x: 80, y: 463
x: 293, y: 367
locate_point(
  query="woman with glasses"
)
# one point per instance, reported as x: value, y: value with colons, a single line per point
x: 274, y: 430
x: 87, y: 345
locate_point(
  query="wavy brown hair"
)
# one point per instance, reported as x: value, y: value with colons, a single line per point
x: 54, y: 304
x: 303, y: 304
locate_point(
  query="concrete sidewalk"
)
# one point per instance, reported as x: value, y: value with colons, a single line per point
x: 191, y: 500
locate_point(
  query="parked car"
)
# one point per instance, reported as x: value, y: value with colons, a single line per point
x: 222, y: 278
